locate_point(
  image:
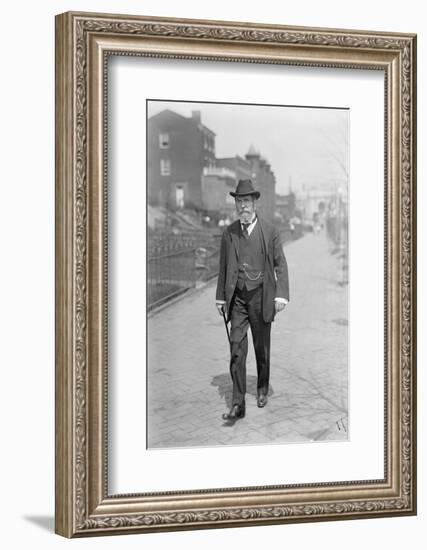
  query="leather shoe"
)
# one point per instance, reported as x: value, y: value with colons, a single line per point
x: 262, y: 401
x: 236, y: 411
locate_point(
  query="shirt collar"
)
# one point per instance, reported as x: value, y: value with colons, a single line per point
x: 252, y: 222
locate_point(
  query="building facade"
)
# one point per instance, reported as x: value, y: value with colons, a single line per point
x: 178, y: 148
x: 256, y: 168
x: 240, y: 166
x: 217, y: 182
x: 265, y: 181
x: 183, y: 171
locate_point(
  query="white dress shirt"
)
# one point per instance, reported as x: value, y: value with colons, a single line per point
x: 250, y: 227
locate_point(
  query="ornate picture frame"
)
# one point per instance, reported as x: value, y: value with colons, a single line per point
x: 84, y: 43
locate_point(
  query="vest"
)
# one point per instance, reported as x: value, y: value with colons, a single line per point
x: 251, y: 260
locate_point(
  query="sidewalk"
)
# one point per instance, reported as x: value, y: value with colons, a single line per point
x: 189, y: 386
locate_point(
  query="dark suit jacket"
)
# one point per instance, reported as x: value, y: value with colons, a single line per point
x: 275, y: 283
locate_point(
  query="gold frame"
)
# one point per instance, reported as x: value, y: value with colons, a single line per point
x: 83, y: 41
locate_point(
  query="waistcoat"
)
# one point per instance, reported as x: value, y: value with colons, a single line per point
x: 251, y: 260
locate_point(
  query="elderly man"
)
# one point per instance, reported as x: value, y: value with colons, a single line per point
x: 252, y: 287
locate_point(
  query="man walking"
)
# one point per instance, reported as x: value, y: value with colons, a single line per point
x: 252, y: 287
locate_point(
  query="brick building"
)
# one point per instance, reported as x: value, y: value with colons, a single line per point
x: 264, y: 180
x: 255, y: 167
x: 179, y: 148
x: 240, y: 166
x: 183, y: 171
x: 217, y: 182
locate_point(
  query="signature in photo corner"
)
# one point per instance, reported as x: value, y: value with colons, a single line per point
x: 342, y: 424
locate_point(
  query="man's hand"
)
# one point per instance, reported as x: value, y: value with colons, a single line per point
x: 279, y: 306
x: 220, y: 308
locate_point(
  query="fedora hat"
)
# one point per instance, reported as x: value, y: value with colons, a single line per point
x: 244, y: 188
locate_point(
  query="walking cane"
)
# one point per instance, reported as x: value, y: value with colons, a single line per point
x: 226, y: 326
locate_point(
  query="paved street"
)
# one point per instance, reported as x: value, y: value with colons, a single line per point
x: 189, y: 386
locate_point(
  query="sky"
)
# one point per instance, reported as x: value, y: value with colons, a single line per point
x: 304, y: 145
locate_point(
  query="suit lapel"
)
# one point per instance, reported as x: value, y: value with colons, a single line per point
x: 235, y: 238
x: 264, y: 236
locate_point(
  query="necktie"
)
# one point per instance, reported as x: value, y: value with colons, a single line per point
x: 245, y: 230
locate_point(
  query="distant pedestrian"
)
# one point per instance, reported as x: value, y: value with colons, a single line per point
x: 252, y: 287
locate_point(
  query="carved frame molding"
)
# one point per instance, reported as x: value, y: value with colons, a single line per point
x: 83, y: 42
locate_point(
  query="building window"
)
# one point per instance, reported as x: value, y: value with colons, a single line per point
x: 179, y: 196
x: 165, y: 167
x: 208, y: 143
x: 164, y: 141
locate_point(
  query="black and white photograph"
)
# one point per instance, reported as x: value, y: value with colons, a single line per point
x: 235, y: 274
x: 214, y: 251
x: 247, y: 274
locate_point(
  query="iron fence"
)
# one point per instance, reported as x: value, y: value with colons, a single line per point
x: 180, y: 262
x: 172, y: 273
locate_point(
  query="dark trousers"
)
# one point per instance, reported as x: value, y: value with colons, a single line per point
x: 246, y: 309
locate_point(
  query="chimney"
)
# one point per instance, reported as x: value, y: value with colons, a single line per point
x: 196, y: 116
